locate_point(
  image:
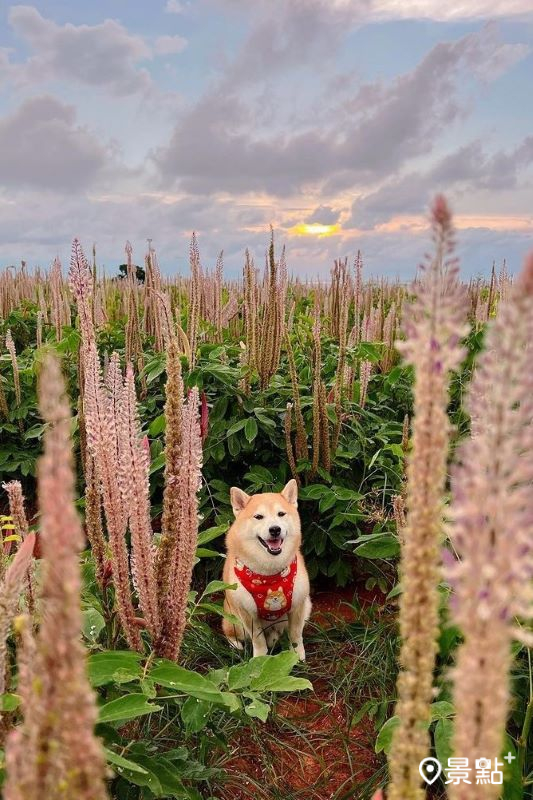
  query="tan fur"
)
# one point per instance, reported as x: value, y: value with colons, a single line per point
x: 242, y: 544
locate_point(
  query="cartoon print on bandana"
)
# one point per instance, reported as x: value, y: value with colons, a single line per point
x: 275, y: 600
x: 272, y: 593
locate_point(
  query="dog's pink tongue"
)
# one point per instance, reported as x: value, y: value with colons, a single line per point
x: 275, y: 542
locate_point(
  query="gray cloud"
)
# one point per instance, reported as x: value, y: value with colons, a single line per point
x: 216, y: 145
x: 324, y: 215
x: 104, y: 55
x: 41, y: 145
x: 44, y: 229
x: 467, y: 169
x: 167, y: 45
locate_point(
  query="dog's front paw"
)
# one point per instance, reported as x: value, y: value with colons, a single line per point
x: 300, y: 649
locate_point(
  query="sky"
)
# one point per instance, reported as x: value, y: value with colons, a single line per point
x: 334, y: 121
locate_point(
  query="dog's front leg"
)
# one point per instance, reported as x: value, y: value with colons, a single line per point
x: 297, y: 619
x: 258, y: 638
x: 254, y: 632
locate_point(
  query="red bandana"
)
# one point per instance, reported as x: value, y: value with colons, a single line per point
x: 272, y: 593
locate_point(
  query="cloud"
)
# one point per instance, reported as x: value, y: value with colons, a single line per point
x: 174, y: 7
x: 297, y: 34
x: 167, y: 45
x: 105, y: 55
x: 217, y: 146
x: 323, y: 215
x: 41, y: 146
x: 468, y: 169
x: 445, y: 12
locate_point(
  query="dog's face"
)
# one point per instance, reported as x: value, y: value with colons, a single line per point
x: 265, y: 524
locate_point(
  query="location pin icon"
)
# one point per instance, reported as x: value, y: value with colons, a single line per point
x: 430, y: 769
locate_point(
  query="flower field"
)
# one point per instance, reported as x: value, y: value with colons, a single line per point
x: 131, y: 403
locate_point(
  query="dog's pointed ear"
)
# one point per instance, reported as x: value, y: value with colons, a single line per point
x: 290, y: 492
x: 239, y: 499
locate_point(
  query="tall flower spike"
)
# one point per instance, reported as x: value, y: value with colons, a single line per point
x: 135, y: 487
x: 18, y: 515
x: 492, y: 531
x: 175, y: 609
x: 54, y: 753
x: 10, y: 591
x: 170, y: 522
x: 81, y: 284
x: 93, y: 520
x: 10, y: 345
x: 102, y: 438
x: 434, y: 326
x: 16, y: 507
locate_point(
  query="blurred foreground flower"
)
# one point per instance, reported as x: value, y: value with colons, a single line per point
x: 54, y: 753
x: 492, y: 532
x: 434, y: 325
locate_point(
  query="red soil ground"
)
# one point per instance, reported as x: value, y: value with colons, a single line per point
x: 311, y: 750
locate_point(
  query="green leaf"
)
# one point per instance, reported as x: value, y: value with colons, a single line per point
x: 234, y: 446
x: 383, y: 545
x: 250, y: 429
x: 346, y: 494
x: 144, y: 778
x: 441, y: 709
x: 240, y: 675
x: 327, y: 501
x: 443, y: 740
x: 314, y: 492
x: 128, y: 707
x: 384, y: 738
x: 157, y: 463
x: 211, y: 533
x: 168, y: 674
x: 513, y: 787
x: 257, y: 709
x: 9, y: 702
x: 123, y: 763
x: 217, y: 586
x: 157, y: 426
x: 236, y: 427
x: 93, y: 623
x: 395, y: 591
x: 204, y: 552
x: 165, y: 770
x: 276, y: 670
x: 119, y: 666
x: 35, y: 432
x: 259, y: 474
x: 373, y: 459
x: 195, y: 714
x: 287, y: 684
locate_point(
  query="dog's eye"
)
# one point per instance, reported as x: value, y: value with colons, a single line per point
x: 281, y: 513
x: 258, y: 516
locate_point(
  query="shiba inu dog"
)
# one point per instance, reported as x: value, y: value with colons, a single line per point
x: 265, y: 562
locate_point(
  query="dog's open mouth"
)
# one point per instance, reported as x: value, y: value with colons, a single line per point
x: 274, y: 544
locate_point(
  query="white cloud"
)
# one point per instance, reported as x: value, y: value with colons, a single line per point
x: 437, y: 10
x: 167, y: 45
x: 103, y: 55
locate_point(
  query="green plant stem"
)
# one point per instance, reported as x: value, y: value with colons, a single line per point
x: 526, y: 727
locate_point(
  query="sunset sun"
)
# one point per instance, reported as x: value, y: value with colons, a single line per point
x: 314, y: 229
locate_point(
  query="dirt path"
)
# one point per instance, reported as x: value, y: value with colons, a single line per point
x: 310, y: 747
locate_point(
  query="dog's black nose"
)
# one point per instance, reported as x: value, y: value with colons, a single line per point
x: 275, y: 530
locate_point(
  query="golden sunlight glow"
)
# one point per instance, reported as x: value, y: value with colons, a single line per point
x: 314, y: 229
